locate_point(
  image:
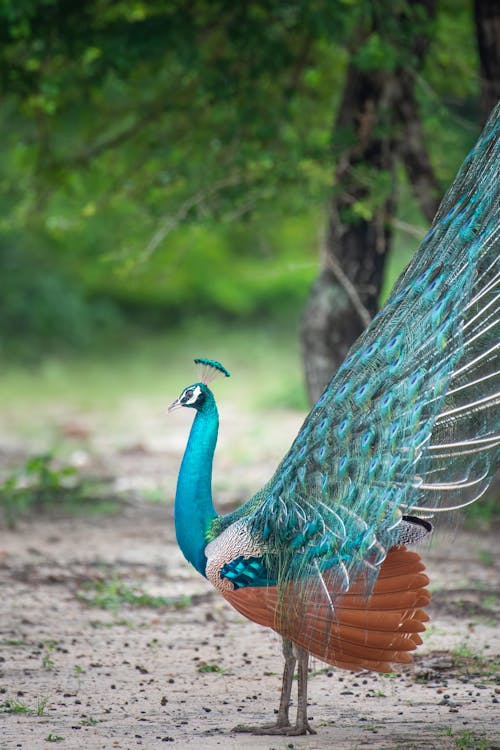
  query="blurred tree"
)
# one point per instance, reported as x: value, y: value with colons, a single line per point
x: 173, y: 155
x: 487, y: 17
x: 130, y: 122
x: 378, y: 121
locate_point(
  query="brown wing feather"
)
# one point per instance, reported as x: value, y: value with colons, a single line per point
x: 364, y: 631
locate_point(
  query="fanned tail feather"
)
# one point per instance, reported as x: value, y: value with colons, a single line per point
x: 410, y: 423
x: 364, y: 630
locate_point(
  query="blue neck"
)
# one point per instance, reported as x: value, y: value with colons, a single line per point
x: 193, y: 499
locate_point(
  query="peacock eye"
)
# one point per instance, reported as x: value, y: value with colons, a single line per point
x: 189, y: 393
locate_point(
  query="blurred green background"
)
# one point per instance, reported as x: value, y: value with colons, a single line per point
x: 163, y: 162
x: 165, y: 171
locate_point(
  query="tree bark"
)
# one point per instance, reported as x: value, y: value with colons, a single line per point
x: 354, y: 244
x: 414, y: 153
x: 377, y: 121
x: 487, y: 18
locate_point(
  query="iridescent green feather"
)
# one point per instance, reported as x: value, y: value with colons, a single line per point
x: 411, y: 420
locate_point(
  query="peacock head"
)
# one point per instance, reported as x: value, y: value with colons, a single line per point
x: 194, y: 396
x: 198, y: 394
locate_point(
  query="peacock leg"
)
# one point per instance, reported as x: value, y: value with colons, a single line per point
x: 286, y: 685
x: 302, y: 725
x: 282, y: 726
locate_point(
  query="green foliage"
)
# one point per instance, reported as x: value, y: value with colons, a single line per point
x: 469, y: 740
x: 198, y: 270
x: 89, y: 721
x: 376, y: 186
x: 113, y: 594
x: 152, y: 366
x: 210, y: 668
x: 487, y: 558
x: 487, y: 512
x: 43, y: 483
x: 288, y: 394
x: 470, y: 663
x: 160, y: 160
x: 48, y: 663
x: 463, y: 651
x: 41, y: 304
x: 12, y: 642
x: 32, y: 485
x: 12, y: 706
x: 376, y: 54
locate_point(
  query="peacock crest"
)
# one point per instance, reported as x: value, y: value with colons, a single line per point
x: 210, y: 369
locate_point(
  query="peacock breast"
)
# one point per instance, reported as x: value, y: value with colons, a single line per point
x: 235, y: 559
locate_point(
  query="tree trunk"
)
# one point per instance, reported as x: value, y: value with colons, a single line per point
x: 487, y: 17
x: 377, y: 121
x: 414, y: 154
x: 355, y: 246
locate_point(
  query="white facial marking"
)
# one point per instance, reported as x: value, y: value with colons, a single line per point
x: 194, y: 397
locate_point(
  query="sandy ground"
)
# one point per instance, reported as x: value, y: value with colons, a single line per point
x: 186, y: 672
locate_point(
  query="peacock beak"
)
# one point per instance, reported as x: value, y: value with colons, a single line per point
x: 175, y: 405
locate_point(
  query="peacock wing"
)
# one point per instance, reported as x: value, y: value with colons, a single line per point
x: 411, y: 419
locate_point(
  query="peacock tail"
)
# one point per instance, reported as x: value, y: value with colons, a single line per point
x: 362, y: 630
x: 408, y: 426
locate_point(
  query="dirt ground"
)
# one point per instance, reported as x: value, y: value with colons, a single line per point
x: 146, y: 673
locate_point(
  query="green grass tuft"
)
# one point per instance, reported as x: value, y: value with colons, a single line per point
x: 89, y: 721
x: 14, y: 707
x: 114, y: 593
x: 43, y: 483
x: 209, y: 668
x: 11, y: 706
x: 468, y: 740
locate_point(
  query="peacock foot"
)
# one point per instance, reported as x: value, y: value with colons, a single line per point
x: 279, y: 729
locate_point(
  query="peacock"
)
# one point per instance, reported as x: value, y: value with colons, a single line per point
x: 407, y: 428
